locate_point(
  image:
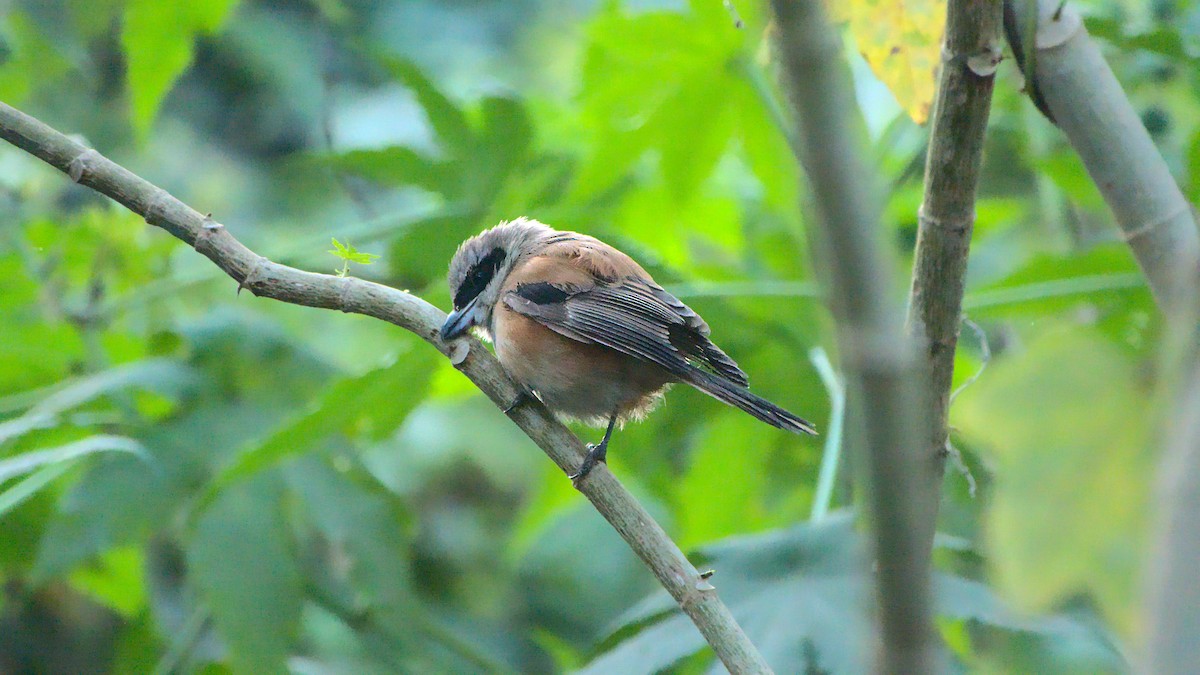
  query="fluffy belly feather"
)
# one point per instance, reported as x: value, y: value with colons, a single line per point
x: 588, y: 382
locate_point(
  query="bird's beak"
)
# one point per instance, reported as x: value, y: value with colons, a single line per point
x: 460, y: 320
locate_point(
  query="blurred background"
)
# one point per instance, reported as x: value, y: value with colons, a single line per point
x: 197, y: 481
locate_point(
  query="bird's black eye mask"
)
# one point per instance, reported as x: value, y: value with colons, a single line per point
x: 478, y: 277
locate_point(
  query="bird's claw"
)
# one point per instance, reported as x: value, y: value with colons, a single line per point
x: 595, y: 455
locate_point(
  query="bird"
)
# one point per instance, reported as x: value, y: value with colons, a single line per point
x: 586, y: 329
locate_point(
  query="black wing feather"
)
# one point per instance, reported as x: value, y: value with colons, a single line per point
x: 636, y: 317
x: 632, y: 316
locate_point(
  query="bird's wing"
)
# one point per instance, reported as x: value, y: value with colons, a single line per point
x: 632, y: 315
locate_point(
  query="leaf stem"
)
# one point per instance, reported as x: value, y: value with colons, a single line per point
x: 831, y: 455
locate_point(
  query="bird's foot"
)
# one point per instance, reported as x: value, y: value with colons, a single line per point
x: 595, y: 455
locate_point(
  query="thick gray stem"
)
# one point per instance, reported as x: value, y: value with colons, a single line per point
x: 1085, y: 100
x: 1090, y: 107
x: 878, y: 355
x: 1173, y: 586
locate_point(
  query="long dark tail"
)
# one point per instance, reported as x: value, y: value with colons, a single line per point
x: 727, y: 392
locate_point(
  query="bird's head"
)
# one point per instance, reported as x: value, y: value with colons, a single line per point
x: 479, y: 268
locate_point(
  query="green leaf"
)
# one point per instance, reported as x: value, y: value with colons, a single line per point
x: 1066, y: 169
x: 26, y: 462
x: 370, y: 405
x: 503, y: 147
x: 802, y: 594
x: 422, y: 251
x: 658, y: 81
x: 1084, y: 461
x: 1193, y: 167
x: 710, y: 505
x: 247, y: 377
x: 762, y: 135
x: 30, y: 59
x: 1168, y: 41
x: 240, y: 560
x: 115, y: 580
x: 447, y: 119
x: 113, y: 503
x: 694, y: 128
x: 398, y: 166
x: 351, y: 254
x: 577, y: 547
x: 15, y: 495
x: 160, y: 375
x: 362, y: 524
x: 1055, y: 283
x: 1105, y: 280
x: 52, y: 463
x: 158, y: 39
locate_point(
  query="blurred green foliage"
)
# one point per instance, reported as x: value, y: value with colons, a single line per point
x: 317, y: 492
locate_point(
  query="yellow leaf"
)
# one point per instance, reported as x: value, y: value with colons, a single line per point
x: 1064, y: 425
x: 901, y: 41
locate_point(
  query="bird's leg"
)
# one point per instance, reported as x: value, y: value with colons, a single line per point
x: 596, y: 453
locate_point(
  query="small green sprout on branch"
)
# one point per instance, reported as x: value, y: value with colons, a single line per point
x: 349, y: 254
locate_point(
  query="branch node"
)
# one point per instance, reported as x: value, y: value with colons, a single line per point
x: 695, y: 592
x: 523, y: 395
x: 79, y: 166
x: 458, y: 353
x: 155, y: 212
x: 1056, y: 26
x: 873, y: 352
x: 208, y: 227
x: 347, y: 285
x: 962, y: 227
x: 1146, y: 228
x: 253, y: 275
x: 984, y: 62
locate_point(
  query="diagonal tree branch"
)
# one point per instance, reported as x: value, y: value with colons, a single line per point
x: 695, y: 595
x: 1172, y: 602
x: 970, y: 54
x: 879, y: 356
x: 1088, y: 104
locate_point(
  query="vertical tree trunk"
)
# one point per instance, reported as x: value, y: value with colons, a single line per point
x: 971, y: 52
x: 878, y: 355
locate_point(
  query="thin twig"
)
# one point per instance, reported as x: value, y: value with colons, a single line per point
x: 985, y: 357
x: 832, y: 453
x: 352, y: 190
x: 265, y: 278
x: 733, y: 14
x: 183, y: 642
x: 970, y: 55
x: 960, y: 465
